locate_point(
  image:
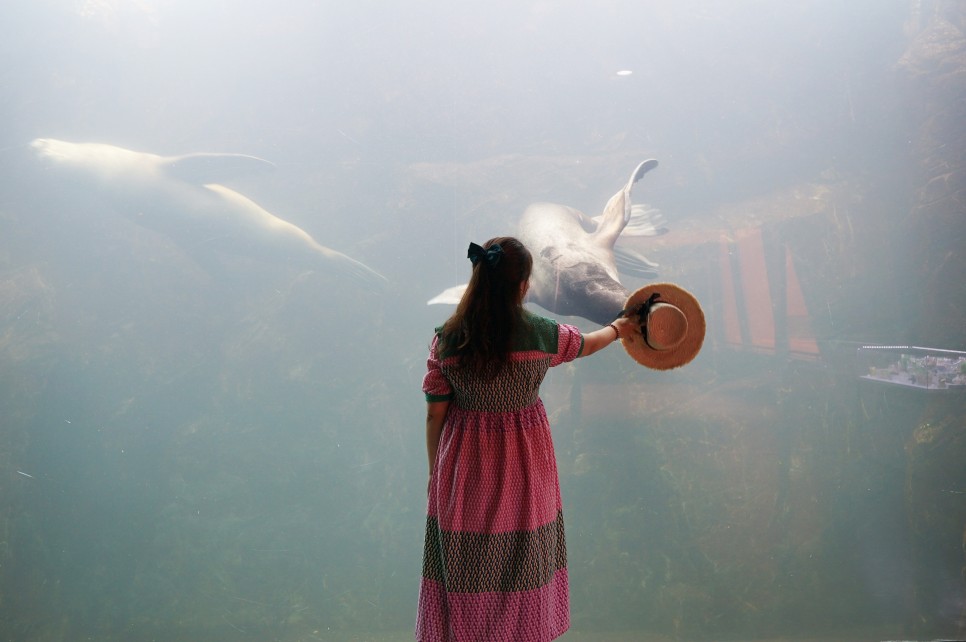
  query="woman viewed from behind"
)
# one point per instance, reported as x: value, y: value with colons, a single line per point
x: 495, y: 557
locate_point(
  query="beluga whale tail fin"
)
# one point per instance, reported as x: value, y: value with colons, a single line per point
x: 617, y: 212
x: 645, y: 221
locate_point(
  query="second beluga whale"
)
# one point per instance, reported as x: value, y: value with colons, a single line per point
x: 182, y: 198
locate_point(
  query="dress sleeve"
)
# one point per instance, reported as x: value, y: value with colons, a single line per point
x: 570, y: 343
x: 435, y: 385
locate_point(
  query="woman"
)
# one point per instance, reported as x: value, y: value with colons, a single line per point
x: 495, y: 559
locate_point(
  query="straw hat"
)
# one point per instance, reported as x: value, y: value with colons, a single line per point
x: 673, y: 325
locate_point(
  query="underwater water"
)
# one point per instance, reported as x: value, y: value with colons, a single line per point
x: 208, y: 433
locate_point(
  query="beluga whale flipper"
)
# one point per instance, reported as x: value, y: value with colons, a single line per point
x: 181, y: 197
x: 575, y: 264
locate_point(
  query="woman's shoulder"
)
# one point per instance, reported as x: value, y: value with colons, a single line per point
x: 538, y: 333
x: 539, y: 323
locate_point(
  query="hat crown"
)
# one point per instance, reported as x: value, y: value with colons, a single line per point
x: 667, y: 326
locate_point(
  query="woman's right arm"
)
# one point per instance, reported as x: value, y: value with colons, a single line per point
x: 598, y: 339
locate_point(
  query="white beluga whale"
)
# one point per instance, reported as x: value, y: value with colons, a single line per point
x: 182, y: 198
x: 576, y: 264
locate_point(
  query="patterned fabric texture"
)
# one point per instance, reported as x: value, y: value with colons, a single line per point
x: 495, y: 556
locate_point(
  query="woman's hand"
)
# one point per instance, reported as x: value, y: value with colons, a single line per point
x: 599, y: 339
x: 627, y: 325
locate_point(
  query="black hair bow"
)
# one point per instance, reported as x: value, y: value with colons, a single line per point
x: 491, y: 255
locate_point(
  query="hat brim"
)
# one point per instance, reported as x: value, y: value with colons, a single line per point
x: 687, y: 349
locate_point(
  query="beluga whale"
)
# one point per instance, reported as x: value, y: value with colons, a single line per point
x: 576, y: 264
x: 182, y: 197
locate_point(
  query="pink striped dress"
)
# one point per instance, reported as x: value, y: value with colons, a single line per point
x: 495, y: 558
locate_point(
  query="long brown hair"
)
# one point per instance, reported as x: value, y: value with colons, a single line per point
x: 491, y: 310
